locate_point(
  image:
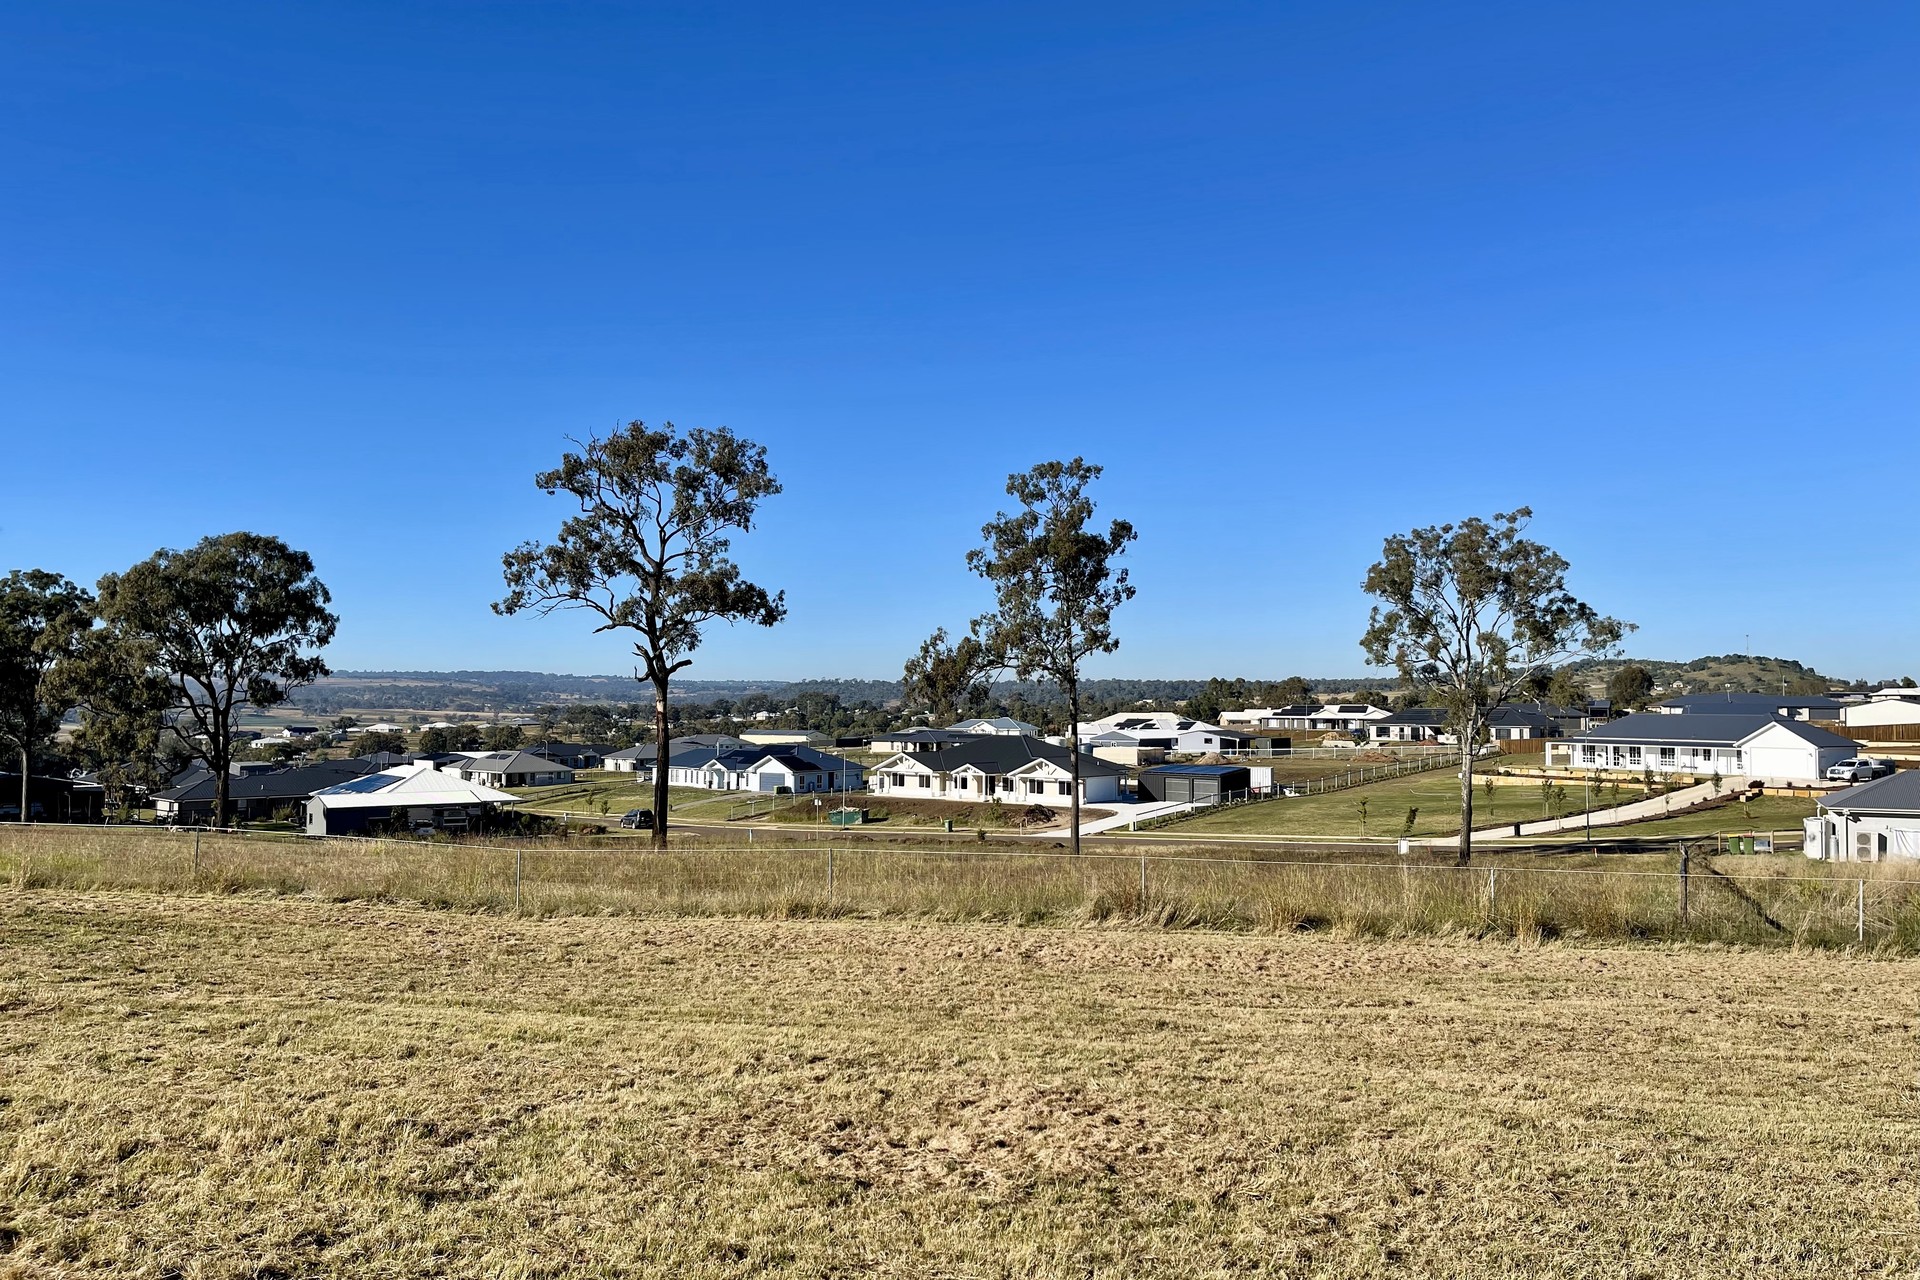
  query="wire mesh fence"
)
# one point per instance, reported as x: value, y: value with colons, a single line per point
x: 1680, y: 896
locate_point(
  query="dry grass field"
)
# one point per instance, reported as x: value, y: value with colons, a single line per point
x: 253, y: 1086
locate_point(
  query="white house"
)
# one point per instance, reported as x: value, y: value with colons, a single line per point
x: 1014, y: 770
x: 409, y: 796
x: 1883, y: 706
x: 918, y: 739
x: 1754, y: 745
x: 1331, y: 717
x: 1165, y: 730
x: 501, y: 769
x: 748, y: 769
x: 1005, y: 725
x: 1868, y: 823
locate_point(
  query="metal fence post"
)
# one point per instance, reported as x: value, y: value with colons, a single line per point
x: 1143, y: 883
x: 1493, y: 874
x: 1860, y: 911
x: 829, y: 875
x: 519, y: 870
x: 196, y: 855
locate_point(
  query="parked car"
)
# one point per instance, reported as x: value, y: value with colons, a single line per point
x: 637, y: 820
x: 1859, y: 769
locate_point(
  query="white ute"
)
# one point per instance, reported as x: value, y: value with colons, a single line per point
x: 1859, y: 769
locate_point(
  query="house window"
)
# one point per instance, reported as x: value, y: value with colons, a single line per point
x: 1880, y: 842
x: 961, y: 782
x: 1065, y: 789
x: 925, y: 781
x: 1633, y: 755
x: 1668, y: 755
x: 1586, y: 753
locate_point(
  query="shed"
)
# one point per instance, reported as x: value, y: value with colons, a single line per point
x: 1200, y: 783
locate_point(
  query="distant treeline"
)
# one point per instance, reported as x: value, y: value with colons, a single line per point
x: 518, y: 692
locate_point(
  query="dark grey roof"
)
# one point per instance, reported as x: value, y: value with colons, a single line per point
x: 1738, y: 702
x: 644, y: 751
x: 564, y: 749
x: 283, y: 784
x: 1704, y: 729
x: 1005, y: 752
x: 1198, y: 770
x: 1417, y: 715
x: 1895, y: 793
x: 511, y: 762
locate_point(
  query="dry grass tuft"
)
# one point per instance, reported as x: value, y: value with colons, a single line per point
x: 248, y: 1085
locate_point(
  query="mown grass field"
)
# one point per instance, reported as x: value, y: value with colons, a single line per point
x: 1435, y: 794
x: 224, y: 1086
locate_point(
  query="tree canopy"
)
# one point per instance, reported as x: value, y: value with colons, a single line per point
x: 1472, y: 611
x: 1055, y: 586
x: 235, y: 620
x: 647, y: 554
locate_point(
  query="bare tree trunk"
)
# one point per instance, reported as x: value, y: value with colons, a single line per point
x: 222, y: 776
x: 1073, y: 758
x: 1469, y: 739
x: 660, y: 764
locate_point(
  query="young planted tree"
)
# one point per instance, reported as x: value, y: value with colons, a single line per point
x: 1469, y: 612
x: 44, y: 620
x: 233, y: 621
x: 1055, y: 587
x: 946, y: 678
x: 647, y: 554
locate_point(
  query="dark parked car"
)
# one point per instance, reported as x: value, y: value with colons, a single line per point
x: 637, y: 820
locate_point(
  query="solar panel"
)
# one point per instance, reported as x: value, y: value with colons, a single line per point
x: 361, y: 786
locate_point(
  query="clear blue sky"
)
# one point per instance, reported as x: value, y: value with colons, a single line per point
x: 1299, y: 275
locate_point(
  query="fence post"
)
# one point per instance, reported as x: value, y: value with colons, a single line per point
x: 829, y: 875
x: 519, y: 870
x: 1493, y: 874
x: 1143, y: 884
x: 196, y: 855
x: 1860, y: 911
x: 1685, y: 857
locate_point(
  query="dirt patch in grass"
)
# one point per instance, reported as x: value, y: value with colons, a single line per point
x: 225, y: 1087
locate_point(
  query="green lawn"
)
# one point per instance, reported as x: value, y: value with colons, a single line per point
x: 1436, y: 795
x: 1768, y: 813
x: 620, y: 791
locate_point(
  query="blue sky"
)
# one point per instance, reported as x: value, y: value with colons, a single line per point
x: 1300, y: 276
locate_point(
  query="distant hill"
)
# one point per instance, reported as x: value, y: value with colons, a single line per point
x: 1738, y: 672
x: 516, y: 692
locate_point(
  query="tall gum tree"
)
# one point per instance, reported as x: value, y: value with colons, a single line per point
x: 648, y: 552
x: 1472, y: 611
x: 44, y: 621
x: 1055, y: 587
x: 236, y: 620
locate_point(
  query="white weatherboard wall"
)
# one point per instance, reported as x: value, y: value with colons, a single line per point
x: 1777, y: 752
x: 1866, y: 838
x: 1882, y: 711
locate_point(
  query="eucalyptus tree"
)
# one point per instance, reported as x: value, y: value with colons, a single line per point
x: 1055, y: 587
x: 44, y: 620
x: 946, y: 677
x: 237, y: 620
x: 647, y: 553
x: 1469, y: 612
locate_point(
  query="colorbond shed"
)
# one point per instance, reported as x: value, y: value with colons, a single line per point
x: 1202, y: 783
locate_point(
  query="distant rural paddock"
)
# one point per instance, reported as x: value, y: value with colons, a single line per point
x: 1660, y: 896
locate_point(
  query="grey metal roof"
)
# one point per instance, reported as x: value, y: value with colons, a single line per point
x: 1198, y: 770
x: 1005, y: 752
x: 1737, y: 702
x: 1703, y: 729
x: 512, y: 762
x: 1895, y: 793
